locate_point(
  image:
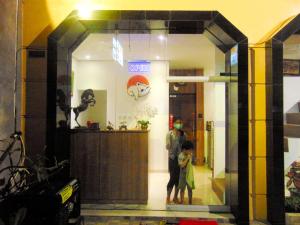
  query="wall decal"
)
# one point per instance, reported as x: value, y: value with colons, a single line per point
x: 87, y: 99
x: 138, y: 86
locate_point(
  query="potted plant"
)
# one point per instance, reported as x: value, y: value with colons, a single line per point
x: 123, y: 125
x: 144, y: 124
x: 144, y: 116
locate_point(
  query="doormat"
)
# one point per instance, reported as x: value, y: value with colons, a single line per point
x: 197, y: 222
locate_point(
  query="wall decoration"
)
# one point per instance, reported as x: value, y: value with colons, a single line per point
x: 87, y: 98
x: 144, y: 115
x: 123, y: 125
x: 138, y: 86
x: 140, y: 66
x: 291, y: 67
x: 292, y: 203
x: 61, y: 102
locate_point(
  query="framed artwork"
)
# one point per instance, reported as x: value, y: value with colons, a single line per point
x: 291, y: 67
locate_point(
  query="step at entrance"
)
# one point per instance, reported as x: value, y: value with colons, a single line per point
x: 95, y: 217
x: 218, y: 185
x: 292, y: 219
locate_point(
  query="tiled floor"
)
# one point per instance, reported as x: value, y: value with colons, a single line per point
x: 123, y: 222
x: 143, y: 217
x: 203, y: 195
x: 136, y: 222
x: 156, y: 211
x: 142, y: 214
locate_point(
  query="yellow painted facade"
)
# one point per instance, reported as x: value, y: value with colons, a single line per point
x: 254, y: 18
x: 257, y: 19
x: 257, y: 134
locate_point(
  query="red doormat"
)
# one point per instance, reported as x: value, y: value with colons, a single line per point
x: 197, y: 222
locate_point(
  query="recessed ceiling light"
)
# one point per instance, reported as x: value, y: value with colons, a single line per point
x: 84, y: 13
x: 87, y: 57
x: 84, y: 10
x: 161, y: 37
x: 157, y: 57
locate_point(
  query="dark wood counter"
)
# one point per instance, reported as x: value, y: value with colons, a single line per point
x: 112, y: 166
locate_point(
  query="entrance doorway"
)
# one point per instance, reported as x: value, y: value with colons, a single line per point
x: 202, y: 108
x: 132, y: 28
x: 196, y: 103
x: 186, y: 101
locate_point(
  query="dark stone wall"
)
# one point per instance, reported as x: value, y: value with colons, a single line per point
x: 8, y: 70
x: 36, y: 101
x: 8, y: 46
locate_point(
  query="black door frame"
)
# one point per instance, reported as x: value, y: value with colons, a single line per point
x: 275, y: 123
x: 73, y: 30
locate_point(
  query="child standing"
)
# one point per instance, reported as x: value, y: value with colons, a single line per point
x: 186, y: 177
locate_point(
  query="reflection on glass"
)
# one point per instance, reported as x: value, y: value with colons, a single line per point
x: 291, y: 97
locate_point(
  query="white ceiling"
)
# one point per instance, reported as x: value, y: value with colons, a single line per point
x: 182, y: 50
x: 291, y: 48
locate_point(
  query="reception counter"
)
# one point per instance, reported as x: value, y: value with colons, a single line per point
x: 112, y: 166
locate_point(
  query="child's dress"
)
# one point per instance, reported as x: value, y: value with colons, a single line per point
x: 186, y: 177
x: 190, y: 175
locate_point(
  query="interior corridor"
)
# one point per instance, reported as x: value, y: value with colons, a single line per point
x: 202, y: 195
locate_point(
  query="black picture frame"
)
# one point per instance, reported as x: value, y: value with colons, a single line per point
x: 291, y: 67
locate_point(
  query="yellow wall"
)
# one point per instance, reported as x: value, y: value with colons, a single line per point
x: 257, y: 19
x: 257, y: 133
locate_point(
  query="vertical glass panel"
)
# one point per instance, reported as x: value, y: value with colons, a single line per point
x: 291, y: 97
x: 122, y: 82
x: 63, y: 90
x: 232, y: 126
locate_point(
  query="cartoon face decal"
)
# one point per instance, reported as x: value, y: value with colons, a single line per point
x: 138, y: 86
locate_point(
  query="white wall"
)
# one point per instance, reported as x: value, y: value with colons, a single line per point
x: 74, y: 100
x: 220, y: 137
x: 220, y: 110
x: 209, y: 107
x: 110, y: 76
x: 98, y: 112
x: 291, y: 96
x: 214, y: 110
x: 98, y: 76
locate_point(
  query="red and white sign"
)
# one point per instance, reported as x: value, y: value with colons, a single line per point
x: 138, y: 86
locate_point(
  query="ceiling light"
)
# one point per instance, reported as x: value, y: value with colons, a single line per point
x: 157, y: 57
x: 84, y: 10
x: 87, y: 57
x: 84, y: 13
x: 161, y: 37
